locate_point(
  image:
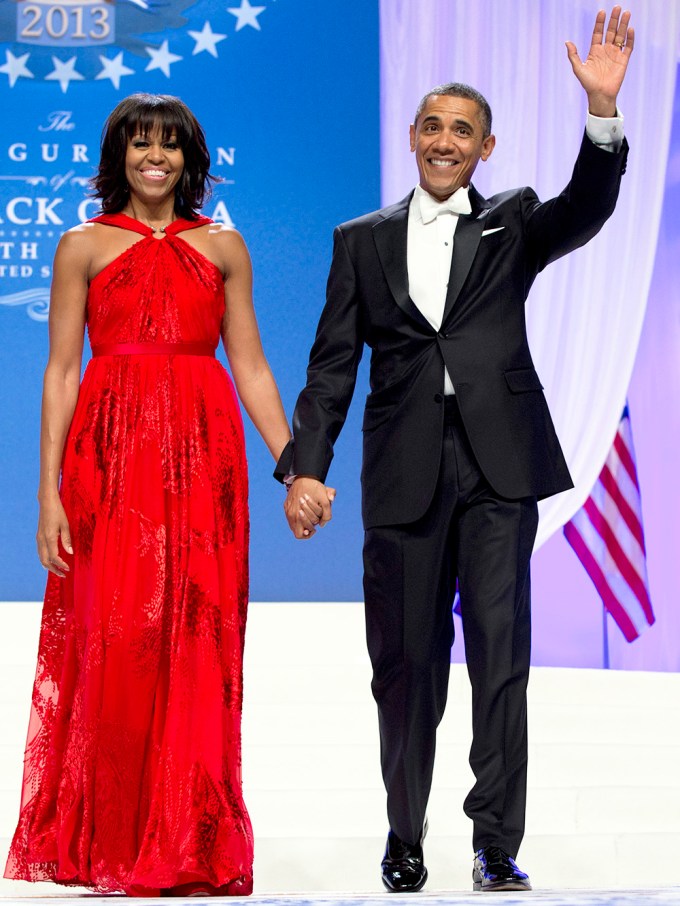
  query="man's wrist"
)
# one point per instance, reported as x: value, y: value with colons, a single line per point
x: 602, y: 107
x: 290, y: 478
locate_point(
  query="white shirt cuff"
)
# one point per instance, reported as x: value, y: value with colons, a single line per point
x: 606, y: 131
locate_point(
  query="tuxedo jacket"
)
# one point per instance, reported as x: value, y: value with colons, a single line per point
x: 498, y: 251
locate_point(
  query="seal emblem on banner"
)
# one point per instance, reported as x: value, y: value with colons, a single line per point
x: 34, y: 29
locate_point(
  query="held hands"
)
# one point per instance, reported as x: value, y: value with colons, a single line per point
x: 53, y: 527
x: 308, y: 506
x: 603, y: 70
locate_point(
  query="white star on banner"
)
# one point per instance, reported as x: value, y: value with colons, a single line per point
x: 114, y: 69
x: 161, y: 58
x: 16, y: 67
x: 64, y: 73
x: 206, y: 39
x: 246, y: 14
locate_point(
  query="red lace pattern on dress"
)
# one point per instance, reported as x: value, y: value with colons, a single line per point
x: 132, y: 776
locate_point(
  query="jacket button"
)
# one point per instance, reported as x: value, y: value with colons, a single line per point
x: 444, y: 336
x: 438, y: 398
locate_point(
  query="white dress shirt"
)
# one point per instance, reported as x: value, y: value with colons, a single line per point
x: 430, y: 245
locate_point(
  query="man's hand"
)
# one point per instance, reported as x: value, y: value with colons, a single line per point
x: 603, y: 70
x: 308, y: 506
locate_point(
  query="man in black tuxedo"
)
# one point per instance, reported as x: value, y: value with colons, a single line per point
x: 458, y: 443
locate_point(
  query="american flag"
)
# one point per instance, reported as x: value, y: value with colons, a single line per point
x: 608, y: 537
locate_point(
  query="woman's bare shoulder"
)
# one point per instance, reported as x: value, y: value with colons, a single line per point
x: 225, y: 246
x: 88, y: 246
x: 227, y: 236
x: 79, y: 241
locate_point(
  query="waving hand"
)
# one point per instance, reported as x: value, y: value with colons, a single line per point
x: 604, y: 69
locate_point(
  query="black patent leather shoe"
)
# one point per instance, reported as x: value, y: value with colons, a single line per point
x: 494, y: 869
x: 402, y: 866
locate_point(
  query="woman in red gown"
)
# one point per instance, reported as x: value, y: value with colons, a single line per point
x: 132, y: 777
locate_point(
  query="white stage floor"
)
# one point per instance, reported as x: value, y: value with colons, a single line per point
x: 658, y: 897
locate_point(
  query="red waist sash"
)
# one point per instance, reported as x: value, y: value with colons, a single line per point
x: 197, y: 348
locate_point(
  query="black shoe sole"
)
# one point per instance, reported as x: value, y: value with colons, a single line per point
x: 502, y: 885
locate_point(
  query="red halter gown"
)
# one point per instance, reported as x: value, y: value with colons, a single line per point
x: 132, y: 775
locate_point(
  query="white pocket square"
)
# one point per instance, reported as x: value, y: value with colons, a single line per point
x: 494, y: 230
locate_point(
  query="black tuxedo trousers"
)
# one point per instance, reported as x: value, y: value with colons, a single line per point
x: 409, y: 584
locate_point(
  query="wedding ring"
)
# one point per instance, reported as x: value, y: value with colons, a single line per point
x: 618, y: 44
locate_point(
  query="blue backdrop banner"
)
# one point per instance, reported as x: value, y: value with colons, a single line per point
x: 287, y: 92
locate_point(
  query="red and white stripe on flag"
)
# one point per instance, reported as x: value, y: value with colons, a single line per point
x: 608, y: 537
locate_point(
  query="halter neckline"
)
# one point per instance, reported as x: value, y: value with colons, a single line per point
x: 130, y: 223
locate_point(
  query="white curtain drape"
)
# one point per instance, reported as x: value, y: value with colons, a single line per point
x: 586, y: 311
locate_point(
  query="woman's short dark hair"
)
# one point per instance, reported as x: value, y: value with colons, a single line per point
x: 141, y: 114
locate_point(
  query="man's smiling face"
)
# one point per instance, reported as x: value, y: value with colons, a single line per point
x: 448, y: 141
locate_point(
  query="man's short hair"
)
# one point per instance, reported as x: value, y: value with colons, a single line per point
x: 460, y: 90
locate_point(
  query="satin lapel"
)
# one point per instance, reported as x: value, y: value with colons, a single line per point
x: 465, y: 243
x: 390, y: 237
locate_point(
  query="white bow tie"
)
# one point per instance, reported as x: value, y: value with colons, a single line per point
x: 458, y: 203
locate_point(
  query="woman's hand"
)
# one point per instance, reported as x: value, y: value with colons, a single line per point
x: 52, y: 528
